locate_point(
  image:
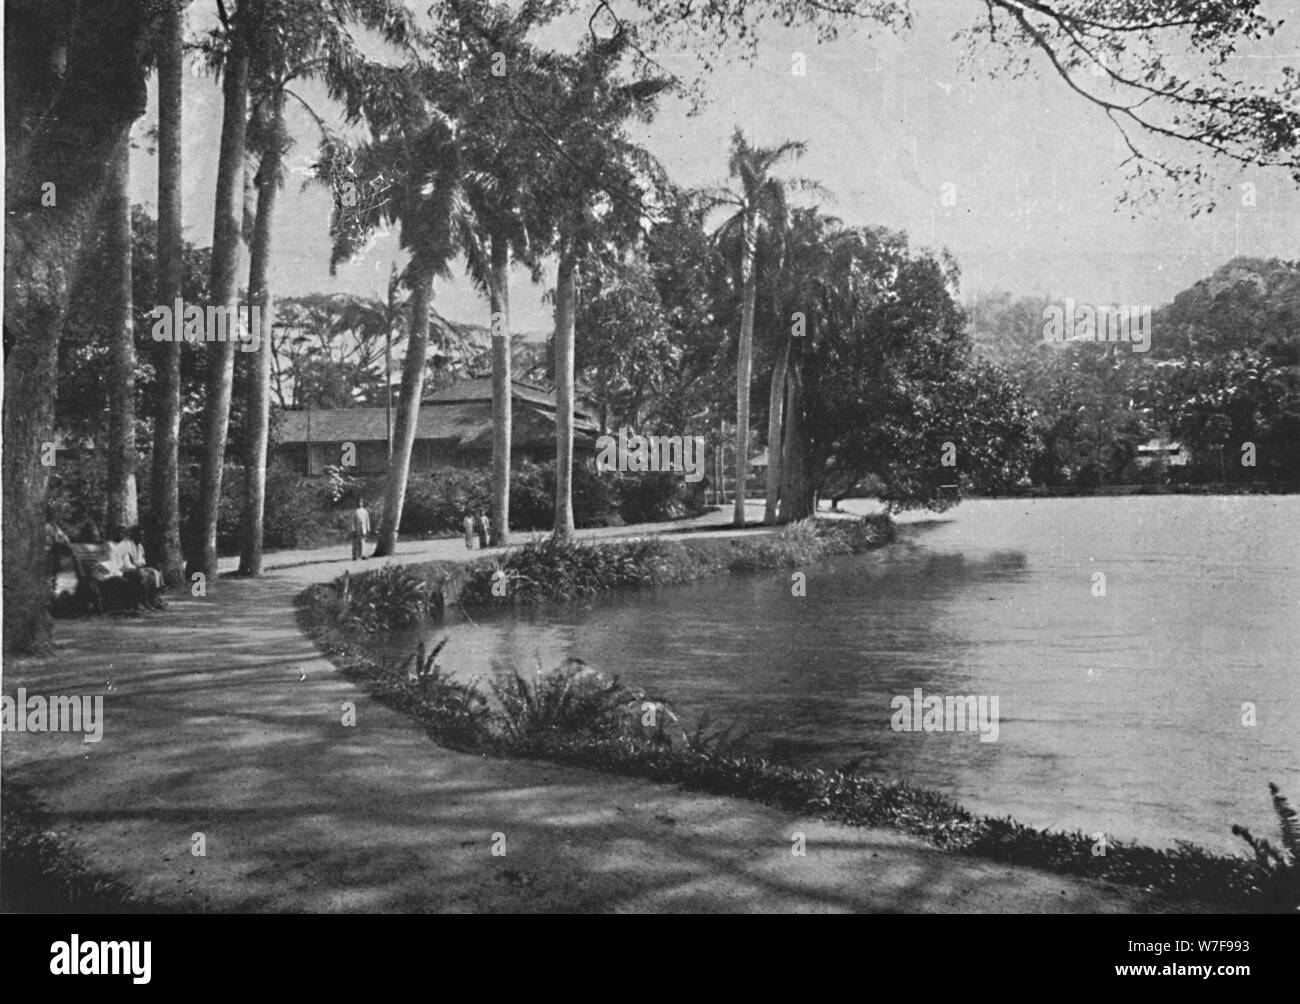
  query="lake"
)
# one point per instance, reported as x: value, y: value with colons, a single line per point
x: 1120, y: 713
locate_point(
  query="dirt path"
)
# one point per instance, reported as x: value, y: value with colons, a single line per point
x: 221, y: 719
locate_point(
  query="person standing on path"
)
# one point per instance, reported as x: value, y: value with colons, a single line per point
x: 468, y: 524
x: 360, y: 529
x: 484, y: 529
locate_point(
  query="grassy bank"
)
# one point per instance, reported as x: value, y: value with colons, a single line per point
x: 547, y: 570
x: 575, y: 716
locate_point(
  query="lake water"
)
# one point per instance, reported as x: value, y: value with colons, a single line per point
x: 1120, y: 713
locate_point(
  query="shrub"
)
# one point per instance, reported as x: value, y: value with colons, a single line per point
x: 552, y: 569
x: 651, y: 496
x: 792, y: 545
x: 382, y: 600
x: 532, y: 496
x: 296, y: 509
x: 295, y: 513
x: 875, y: 529
x: 340, y: 486
x: 572, y: 699
x: 1154, y: 471
x: 437, y: 503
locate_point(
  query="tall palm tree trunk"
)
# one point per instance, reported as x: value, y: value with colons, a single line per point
x: 122, y: 511
x: 408, y: 413
x: 744, y: 370
x: 797, y: 488
x: 61, y: 133
x: 775, y: 425
x: 224, y: 292
x: 258, y: 389
x: 165, y: 525
x: 502, y: 389
x: 564, y: 332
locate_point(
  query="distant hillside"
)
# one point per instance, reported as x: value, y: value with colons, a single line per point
x: 1246, y: 303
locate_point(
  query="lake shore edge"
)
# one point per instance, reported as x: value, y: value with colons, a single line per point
x: 1184, y: 878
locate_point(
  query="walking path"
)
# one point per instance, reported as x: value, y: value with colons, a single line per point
x: 221, y: 719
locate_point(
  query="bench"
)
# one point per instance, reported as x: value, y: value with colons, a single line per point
x: 98, y: 595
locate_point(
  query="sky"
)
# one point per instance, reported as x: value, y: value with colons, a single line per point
x: 1018, y: 179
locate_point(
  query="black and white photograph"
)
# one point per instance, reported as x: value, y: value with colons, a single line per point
x: 652, y: 457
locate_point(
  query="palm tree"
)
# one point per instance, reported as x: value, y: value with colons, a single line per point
x: 759, y: 200
x: 165, y: 534
x: 269, y: 126
x: 240, y: 31
x: 565, y: 309
x: 499, y: 152
x: 594, y: 195
x: 298, y: 38
x: 416, y: 148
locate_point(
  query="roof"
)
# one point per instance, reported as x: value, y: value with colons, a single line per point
x: 480, y: 389
x: 337, y: 425
x: 467, y: 423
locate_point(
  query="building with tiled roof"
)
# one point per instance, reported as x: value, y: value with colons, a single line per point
x: 454, y: 430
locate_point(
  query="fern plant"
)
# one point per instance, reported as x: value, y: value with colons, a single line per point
x: 572, y: 699
x: 424, y: 671
x: 708, y: 740
x: 382, y: 600
x: 1277, y: 870
x: 457, y: 711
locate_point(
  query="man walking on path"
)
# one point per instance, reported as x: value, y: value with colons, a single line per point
x: 468, y: 524
x: 360, y: 529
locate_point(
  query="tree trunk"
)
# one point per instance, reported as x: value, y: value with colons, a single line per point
x: 165, y: 526
x: 121, y: 511
x: 408, y: 413
x: 797, y: 488
x: 564, y: 331
x: 226, y: 229
x: 502, y: 389
x: 62, y: 129
x: 775, y: 425
x: 258, y: 389
x: 722, y: 462
x: 744, y: 370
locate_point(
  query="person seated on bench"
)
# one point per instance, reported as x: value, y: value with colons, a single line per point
x: 108, y: 565
x: 57, y: 546
x: 150, y: 579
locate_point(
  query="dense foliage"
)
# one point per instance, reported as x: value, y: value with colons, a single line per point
x: 1223, y: 371
x: 546, y: 570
